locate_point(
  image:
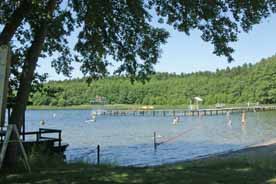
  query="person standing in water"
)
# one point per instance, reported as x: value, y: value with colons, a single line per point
x: 243, y: 125
x: 243, y: 118
x: 176, y: 120
x: 228, y: 116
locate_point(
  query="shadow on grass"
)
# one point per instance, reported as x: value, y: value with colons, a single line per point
x: 214, y: 170
x: 249, y: 167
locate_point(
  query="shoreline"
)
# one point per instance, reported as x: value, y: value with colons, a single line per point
x: 254, y: 151
x: 131, y: 107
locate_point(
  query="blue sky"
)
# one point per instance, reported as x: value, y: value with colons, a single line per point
x: 187, y: 54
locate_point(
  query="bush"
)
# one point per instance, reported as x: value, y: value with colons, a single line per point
x: 41, y: 157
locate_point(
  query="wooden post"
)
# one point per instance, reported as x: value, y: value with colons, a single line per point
x: 98, y: 155
x: 10, y: 129
x: 9, y: 114
x: 23, y: 135
x: 4, y: 77
x: 59, y: 139
x: 154, y: 141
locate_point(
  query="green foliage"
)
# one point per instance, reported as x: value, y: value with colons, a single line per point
x: 242, y: 84
x: 41, y: 157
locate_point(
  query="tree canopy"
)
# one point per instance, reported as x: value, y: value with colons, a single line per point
x: 242, y: 84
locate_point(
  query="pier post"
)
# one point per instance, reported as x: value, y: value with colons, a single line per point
x: 154, y: 141
x: 98, y: 155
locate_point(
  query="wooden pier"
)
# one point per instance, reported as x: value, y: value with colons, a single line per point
x: 51, y: 138
x: 185, y: 112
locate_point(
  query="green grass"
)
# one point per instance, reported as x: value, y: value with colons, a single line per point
x: 232, y: 170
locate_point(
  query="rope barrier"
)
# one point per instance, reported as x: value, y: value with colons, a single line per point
x: 189, y: 130
x: 178, y: 135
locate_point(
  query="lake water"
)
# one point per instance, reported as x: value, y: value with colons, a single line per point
x: 128, y: 140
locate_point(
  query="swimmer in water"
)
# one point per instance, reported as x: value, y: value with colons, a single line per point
x: 42, y: 122
x: 93, y: 116
x: 176, y: 120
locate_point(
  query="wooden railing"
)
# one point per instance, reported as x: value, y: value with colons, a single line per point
x: 39, y: 135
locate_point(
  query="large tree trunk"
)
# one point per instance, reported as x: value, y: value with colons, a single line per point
x: 26, y: 78
x: 14, y: 22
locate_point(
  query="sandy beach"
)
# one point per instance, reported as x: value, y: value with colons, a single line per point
x: 263, y: 150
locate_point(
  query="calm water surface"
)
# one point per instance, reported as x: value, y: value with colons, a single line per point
x: 128, y: 140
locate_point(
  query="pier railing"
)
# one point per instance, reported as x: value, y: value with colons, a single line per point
x: 187, y: 112
x: 41, y: 135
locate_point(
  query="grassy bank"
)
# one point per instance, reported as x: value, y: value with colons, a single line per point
x: 256, y: 165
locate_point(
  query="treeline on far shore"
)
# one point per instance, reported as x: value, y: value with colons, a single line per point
x: 254, y: 83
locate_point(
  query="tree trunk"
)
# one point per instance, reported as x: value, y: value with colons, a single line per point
x: 26, y: 78
x: 14, y: 22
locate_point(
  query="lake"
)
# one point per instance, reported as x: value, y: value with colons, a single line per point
x: 128, y: 140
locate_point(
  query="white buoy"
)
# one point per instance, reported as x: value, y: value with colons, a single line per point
x: 159, y: 136
x: 89, y: 121
x: 54, y: 115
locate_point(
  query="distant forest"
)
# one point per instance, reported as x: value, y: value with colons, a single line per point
x: 242, y: 84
